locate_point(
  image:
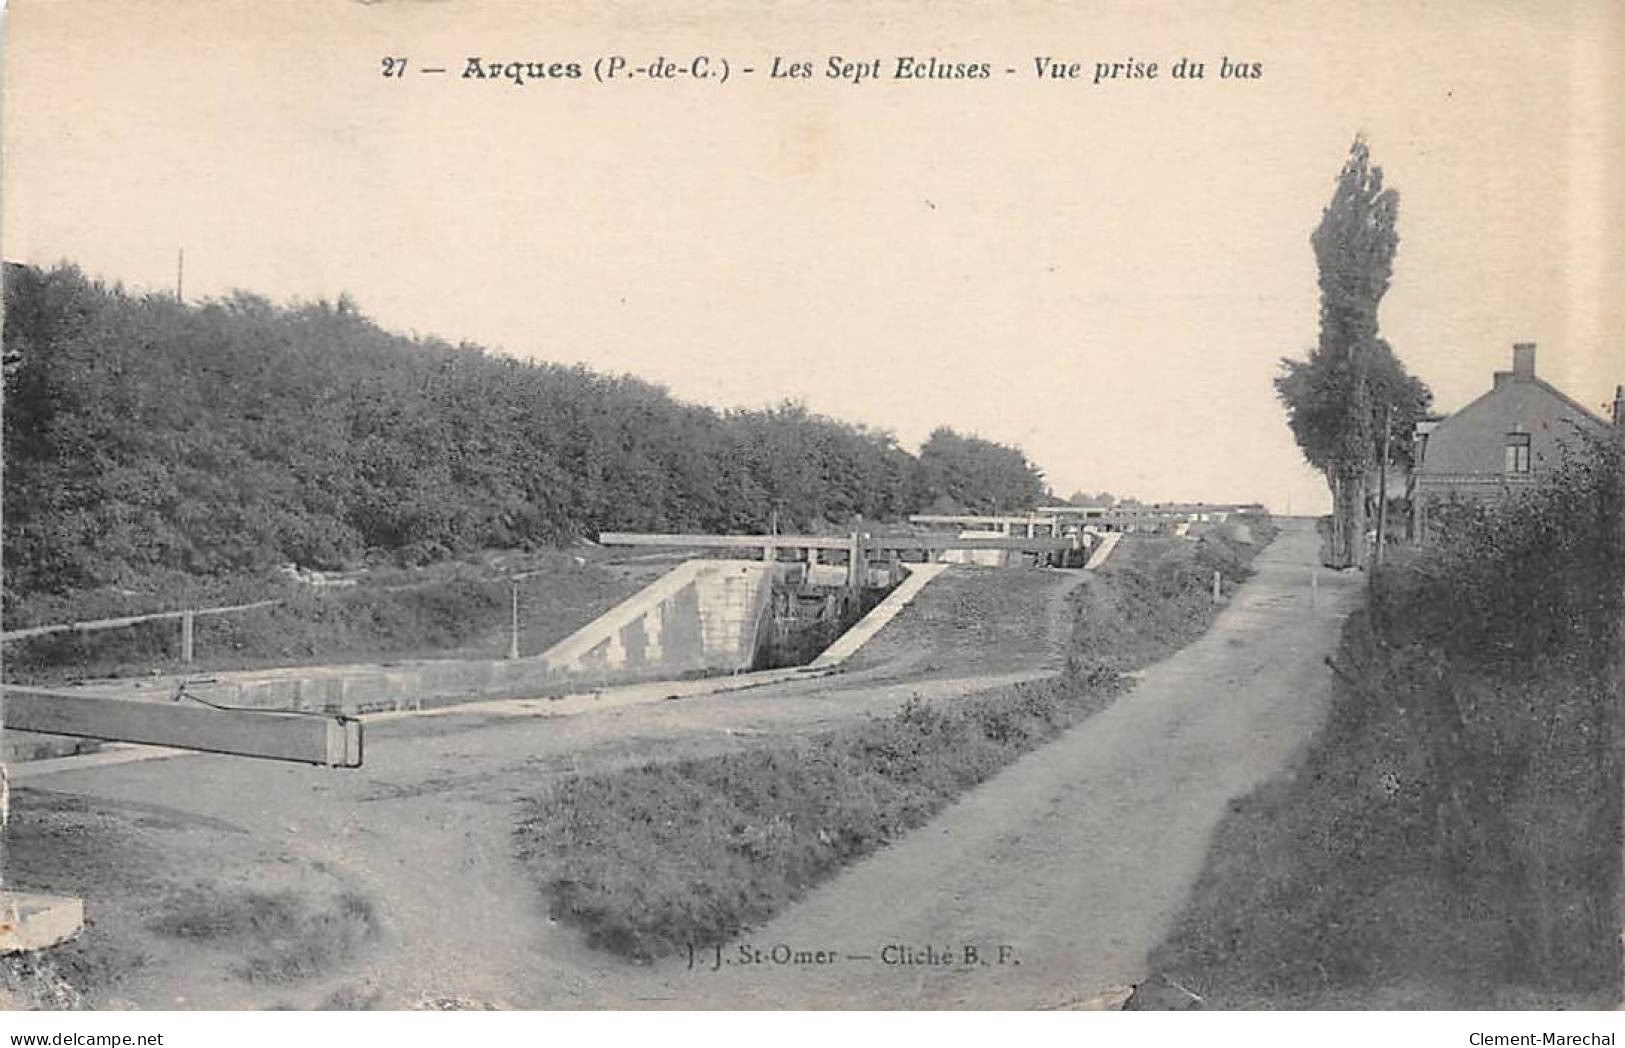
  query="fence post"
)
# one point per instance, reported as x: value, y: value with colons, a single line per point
x: 1216, y: 587
x: 187, y: 626
x: 513, y: 621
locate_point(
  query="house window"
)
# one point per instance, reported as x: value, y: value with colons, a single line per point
x: 1517, y: 453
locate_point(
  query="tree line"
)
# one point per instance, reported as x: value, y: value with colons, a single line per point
x: 144, y: 435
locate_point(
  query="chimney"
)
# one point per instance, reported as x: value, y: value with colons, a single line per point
x: 1523, y: 361
x: 1619, y: 405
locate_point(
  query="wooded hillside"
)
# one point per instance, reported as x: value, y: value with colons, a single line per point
x: 145, y: 437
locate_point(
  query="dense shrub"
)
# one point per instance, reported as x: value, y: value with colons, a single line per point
x: 1539, y: 572
x: 1453, y: 837
x: 1503, y: 638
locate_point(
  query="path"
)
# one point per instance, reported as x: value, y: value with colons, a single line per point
x: 1076, y: 858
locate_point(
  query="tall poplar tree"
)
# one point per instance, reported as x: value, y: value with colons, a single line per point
x: 1338, y: 401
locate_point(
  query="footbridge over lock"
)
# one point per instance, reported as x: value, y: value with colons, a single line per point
x: 865, y: 558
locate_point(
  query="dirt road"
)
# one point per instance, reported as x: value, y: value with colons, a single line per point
x: 1075, y: 859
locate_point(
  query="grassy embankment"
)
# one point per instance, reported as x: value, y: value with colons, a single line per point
x: 457, y: 609
x: 649, y: 859
x: 1452, y: 839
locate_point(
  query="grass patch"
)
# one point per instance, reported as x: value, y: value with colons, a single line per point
x: 33, y: 982
x: 970, y: 619
x: 1155, y: 595
x: 651, y: 859
x: 280, y: 936
x: 136, y: 866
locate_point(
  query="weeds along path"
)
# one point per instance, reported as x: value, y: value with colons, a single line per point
x: 424, y: 831
x: 1075, y: 859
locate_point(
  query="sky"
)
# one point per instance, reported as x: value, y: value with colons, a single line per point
x: 1106, y: 274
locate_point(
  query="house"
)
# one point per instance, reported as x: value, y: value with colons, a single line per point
x: 1506, y: 438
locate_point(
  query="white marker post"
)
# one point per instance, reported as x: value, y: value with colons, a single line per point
x: 513, y: 621
x: 513, y: 610
x: 188, y: 625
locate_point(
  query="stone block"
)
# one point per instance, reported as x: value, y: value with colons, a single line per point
x: 30, y: 921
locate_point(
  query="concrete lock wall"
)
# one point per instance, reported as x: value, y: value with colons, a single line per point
x: 711, y: 615
x: 702, y: 617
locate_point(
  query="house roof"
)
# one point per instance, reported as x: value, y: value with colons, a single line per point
x: 1444, y: 422
x: 1468, y: 441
